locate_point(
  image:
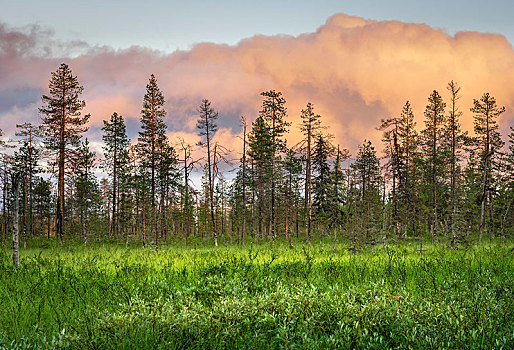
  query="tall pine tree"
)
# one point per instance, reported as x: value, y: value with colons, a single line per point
x: 153, y: 134
x: 116, y: 159
x: 63, y: 126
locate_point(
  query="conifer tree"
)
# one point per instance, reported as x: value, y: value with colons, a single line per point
x: 116, y: 159
x: 455, y: 139
x: 337, y: 193
x: 187, y: 200
x: 87, y: 192
x: 42, y: 205
x: 311, y: 123
x: 150, y: 138
x: 367, y: 168
x: 432, y: 142
x: 322, y: 151
x: 63, y: 126
x: 168, y: 176
x: 273, y: 112
x: 25, y: 163
x: 207, y: 127
x: 261, y: 152
x: 292, y: 165
x: 243, y: 179
x: 408, y: 140
x: 393, y: 151
x: 30, y: 136
x: 488, y: 139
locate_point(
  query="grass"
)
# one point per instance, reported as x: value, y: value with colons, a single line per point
x: 108, y: 296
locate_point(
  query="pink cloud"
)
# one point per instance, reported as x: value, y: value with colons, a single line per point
x: 355, y: 71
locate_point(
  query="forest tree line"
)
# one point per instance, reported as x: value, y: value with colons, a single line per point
x: 434, y: 180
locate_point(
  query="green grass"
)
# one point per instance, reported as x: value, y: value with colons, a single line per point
x: 319, y: 296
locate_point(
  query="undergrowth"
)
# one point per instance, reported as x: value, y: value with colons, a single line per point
x: 109, y: 296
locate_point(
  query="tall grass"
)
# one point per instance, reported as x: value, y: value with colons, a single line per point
x: 108, y: 296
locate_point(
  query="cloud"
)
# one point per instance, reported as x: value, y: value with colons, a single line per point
x: 354, y: 71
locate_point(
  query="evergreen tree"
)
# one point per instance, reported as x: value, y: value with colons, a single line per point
x: 42, y: 205
x: 26, y: 166
x: 339, y: 190
x: 455, y: 139
x: 273, y: 112
x: 488, y: 139
x: 433, y: 135
x: 30, y: 136
x: 63, y: 126
x: 394, y: 164
x: 311, y: 123
x: 292, y: 166
x: 408, y: 172
x: 150, y: 139
x: 322, y: 151
x: 367, y: 169
x: 87, y: 190
x: 168, y: 179
x: 261, y: 152
x: 116, y: 159
x: 207, y: 127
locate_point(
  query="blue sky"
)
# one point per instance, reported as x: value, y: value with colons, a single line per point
x: 171, y: 25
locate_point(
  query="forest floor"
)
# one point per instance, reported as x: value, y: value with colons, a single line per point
x: 109, y: 296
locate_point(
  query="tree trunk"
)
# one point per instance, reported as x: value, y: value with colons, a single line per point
x: 308, y: 180
x: 273, y: 234
x: 243, y: 229
x: 15, y: 233
x: 114, y: 224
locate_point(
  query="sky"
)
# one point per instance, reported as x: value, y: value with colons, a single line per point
x: 168, y: 25
x: 356, y: 61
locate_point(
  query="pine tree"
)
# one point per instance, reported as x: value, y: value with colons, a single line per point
x: 187, y: 200
x: 408, y: 173
x: 30, y: 135
x: 207, y: 127
x: 42, y: 204
x: 292, y: 166
x: 243, y: 179
x: 87, y: 191
x: 395, y: 164
x: 367, y: 168
x: 63, y: 126
x: 311, y: 123
x: 273, y: 112
x: 322, y: 151
x: 116, y: 159
x: 168, y: 179
x: 432, y: 142
x: 337, y: 193
x: 455, y: 139
x: 508, y: 218
x: 150, y: 138
x: 488, y: 139
x: 26, y: 165
x: 260, y: 151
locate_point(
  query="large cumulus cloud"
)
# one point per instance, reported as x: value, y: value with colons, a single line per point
x: 355, y: 71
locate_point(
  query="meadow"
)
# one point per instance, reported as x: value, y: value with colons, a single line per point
x: 324, y: 295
